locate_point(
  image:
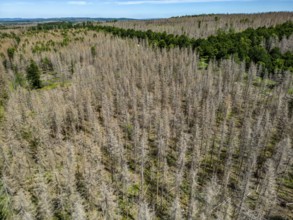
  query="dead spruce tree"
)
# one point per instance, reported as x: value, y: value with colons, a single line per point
x: 267, y: 192
x: 144, y: 212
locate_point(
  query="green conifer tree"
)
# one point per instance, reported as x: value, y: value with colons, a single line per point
x: 33, y: 75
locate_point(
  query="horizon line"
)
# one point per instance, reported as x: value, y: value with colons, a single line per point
x: 203, y: 14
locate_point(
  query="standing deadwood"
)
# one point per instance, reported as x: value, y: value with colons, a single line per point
x: 144, y: 212
x: 226, y: 211
x: 229, y: 158
x: 55, y: 122
x: 161, y: 157
x: 182, y: 147
x: 166, y: 126
x: 143, y: 154
x: 120, y: 103
x: 107, y: 110
x: 223, y: 133
x: 166, y: 136
x: 268, y: 194
x: 211, y: 200
x: 108, y: 203
x: 189, y: 111
x: 42, y: 194
x: 78, y: 212
x: 145, y: 109
x: 125, y: 179
x: 194, y: 169
x: 70, y: 169
x: 286, y: 44
x: 206, y: 123
x: 5, y: 200
x: 160, y: 165
x: 245, y: 186
x: 192, y: 205
x: 211, y: 125
x: 71, y: 123
x: 88, y: 110
x: 161, y: 169
x: 98, y: 135
x: 283, y: 155
x: 165, y: 94
x: 281, y: 119
x: 176, y: 211
x: 113, y: 150
x: 245, y: 138
x: 193, y: 210
x: 267, y: 127
x: 177, y: 119
x: 93, y: 177
x: 136, y: 143
x: 247, y: 90
x: 23, y: 206
x: 122, y: 167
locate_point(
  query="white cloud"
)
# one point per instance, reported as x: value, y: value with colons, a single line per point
x: 78, y: 3
x: 139, y: 2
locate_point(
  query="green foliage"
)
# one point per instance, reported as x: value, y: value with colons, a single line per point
x: 65, y: 41
x: 258, y: 81
x: 33, y: 75
x: 133, y: 190
x: 53, y: 25
x: 162, y: 44
x: 3, y: 96
x: 72, y: 67
x: 5, y: 203
x: 1, y: 116
x: 38, y: 49
x: 199, y: 24
x: 18, y: 80
x: 203, y: 63
x: 244, y: 20
x: 46, y: 65
x: 10, y: 52
x: 55, y: 85
x: 259, y: 55
x: 245, y: 46
x: 93, y: 51
x: 128, y: 129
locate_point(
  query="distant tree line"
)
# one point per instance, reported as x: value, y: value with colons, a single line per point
x: 61, y: 25
x: 53, y: 25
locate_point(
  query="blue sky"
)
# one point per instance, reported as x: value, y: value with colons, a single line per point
x: 134, y: 8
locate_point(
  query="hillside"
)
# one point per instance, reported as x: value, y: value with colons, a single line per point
x: 96, y: 125
x: 202, y: 26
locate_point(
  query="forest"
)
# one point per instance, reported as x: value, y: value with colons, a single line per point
x: 249, y: 46
x: 138, y: 120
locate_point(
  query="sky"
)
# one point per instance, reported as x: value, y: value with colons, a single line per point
x: 134, y: 8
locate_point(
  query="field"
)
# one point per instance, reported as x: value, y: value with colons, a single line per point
x: 98, y: 122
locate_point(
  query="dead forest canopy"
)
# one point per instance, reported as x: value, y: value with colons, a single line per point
x: 95, y: 126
